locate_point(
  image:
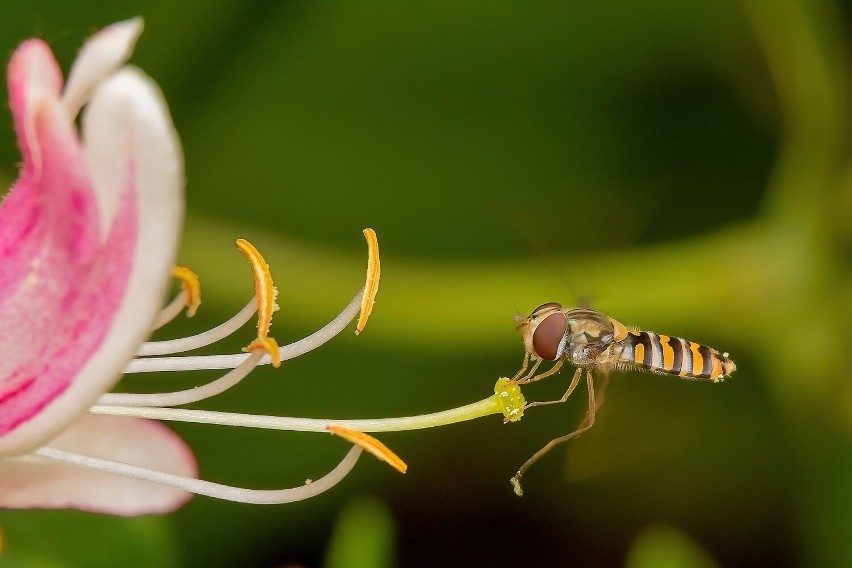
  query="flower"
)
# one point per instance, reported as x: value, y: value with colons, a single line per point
x: 88, y: 236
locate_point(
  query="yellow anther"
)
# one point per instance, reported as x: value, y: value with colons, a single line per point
x: 370, y: 444
x: 269, y: 345
x: 191, y: 288
x: 374, y: 272
x: 263, y: 287
x: 266, y: 294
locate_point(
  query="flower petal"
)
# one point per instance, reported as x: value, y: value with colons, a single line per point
x: 127, y: 131
x: 102, y: 55
x: 33, y: 75
x: 31, y: 482
x: 85, y: 261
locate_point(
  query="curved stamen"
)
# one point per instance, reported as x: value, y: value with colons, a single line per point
x: 202, y: 339
x: 189, y: 297
x: 291, y: 351
x: 372, y: 445
x: 371, y: 287
x: 187, y: 396
x: 191, y: 288
x: 264, y: 288
x: 490, y: 405
x: 201, y: 487
x: 268, y: 345
x: 266, y: 293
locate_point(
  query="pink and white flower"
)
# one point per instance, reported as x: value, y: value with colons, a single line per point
x: 88, y: 237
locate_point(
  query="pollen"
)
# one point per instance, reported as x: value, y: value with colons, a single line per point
x: 370, y: 444
x: 191, y: 288
x: 374, y: 272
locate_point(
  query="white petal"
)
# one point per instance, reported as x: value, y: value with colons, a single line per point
x: 102, y: 55
x: 127, y: 131
x: 36, y: 483
x: 127, y: 124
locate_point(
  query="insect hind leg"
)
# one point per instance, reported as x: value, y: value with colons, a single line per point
x: 588, y: 422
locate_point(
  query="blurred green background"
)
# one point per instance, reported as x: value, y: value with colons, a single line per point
x: 683, y: 165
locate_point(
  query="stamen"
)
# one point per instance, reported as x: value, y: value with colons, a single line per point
x: 216, y: 490
x: 189, y: 297
x: 266, y: 293
x: 264, y: 288
x: 490, y: 405
x: 374, y: 272
x: 191, y: 288
x: 195, y: 394
x: 269, y: 345
x: 202, y: 339
x: 370, y: 444
x: 295, y: 349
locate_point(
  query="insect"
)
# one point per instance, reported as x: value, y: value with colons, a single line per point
x: 593, y: 341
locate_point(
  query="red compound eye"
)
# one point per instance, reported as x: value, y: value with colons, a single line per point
x: 548, y: 335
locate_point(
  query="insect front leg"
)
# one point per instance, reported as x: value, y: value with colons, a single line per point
x: 524, y: 378
x: 523, y: 368
x: 531, y: 377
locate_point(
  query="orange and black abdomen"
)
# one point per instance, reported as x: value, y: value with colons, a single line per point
x: 674, y: 356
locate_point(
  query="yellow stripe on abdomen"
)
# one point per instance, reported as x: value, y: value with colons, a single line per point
x: 697, y: 360
x: 668, y: 354
x: 674, y: 356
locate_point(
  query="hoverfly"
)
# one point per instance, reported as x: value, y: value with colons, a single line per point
x: 593, y: 341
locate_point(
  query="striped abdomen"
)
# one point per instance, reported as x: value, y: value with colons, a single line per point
x: 674, y: 356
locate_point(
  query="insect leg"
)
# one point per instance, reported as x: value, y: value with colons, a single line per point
x: 523, y: 368
x: 574, y: 382
x: 601, y: 391
x: 532, y: 377
x: 587, y: 423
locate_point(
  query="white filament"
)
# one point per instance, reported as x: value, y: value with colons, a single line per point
x: 202, y: 339
x: 187, y: 396
x: 171, y: 311
x: 295, y: 349
x: 201, y: 487
x: 148, y: 404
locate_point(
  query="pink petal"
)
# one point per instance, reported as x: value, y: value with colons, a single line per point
x: 87, y: 242
x: 37, y: 483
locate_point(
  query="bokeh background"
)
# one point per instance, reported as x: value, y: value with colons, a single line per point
x: 682, y: 165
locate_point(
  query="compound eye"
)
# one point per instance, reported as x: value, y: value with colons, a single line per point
x: 548, y: 335
x: 547, y: 306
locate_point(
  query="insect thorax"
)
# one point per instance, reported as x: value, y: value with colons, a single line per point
x: 589, y: 338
